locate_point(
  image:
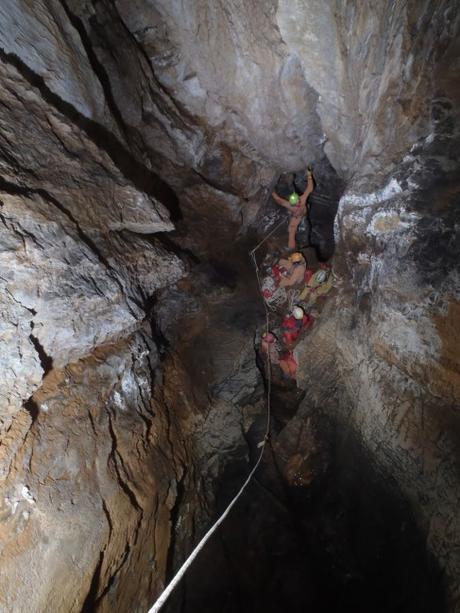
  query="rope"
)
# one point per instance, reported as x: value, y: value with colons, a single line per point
x: 189, y: 561
x: 269, y: 369
x: 265, y: 238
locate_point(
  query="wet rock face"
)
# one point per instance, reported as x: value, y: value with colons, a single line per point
x: 104, y: 107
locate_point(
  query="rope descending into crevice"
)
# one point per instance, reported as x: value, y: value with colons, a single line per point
x: 189, y: 561
x: 266, y: 237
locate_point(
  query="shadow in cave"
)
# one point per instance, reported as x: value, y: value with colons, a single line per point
x: 142, y: 178
x: 346, y: 543
x: 220, y: 273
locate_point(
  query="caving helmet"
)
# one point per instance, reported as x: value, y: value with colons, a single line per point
x: 294, y: 199
x: 298, y: 312
x: 296, y: 257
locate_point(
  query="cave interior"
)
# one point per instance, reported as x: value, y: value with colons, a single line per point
x: 141, y: 143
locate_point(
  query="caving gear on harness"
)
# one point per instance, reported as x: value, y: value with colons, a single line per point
x: 298, y: 312
x: 294, y: 199
x: 308, y: 275
x: 269, y: 348
x: 317, y: 284
x: 294, y: 324
x: 296, y: 257
x: 277, y: 271
x: 271, y: 292
x: 313, y: 278
x: 321, y: 276
x: 292, y: 270
x: 268, y: 287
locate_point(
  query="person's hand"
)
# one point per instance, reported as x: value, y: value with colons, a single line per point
x: 274, y: 194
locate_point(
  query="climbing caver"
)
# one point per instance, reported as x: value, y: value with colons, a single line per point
x: 269, y: 348
x: 294, y: 324
x: 287, y: 273
x: 285, y: 360
x: 297, y: 207
x: 292, y: 270
x: 283, y: 280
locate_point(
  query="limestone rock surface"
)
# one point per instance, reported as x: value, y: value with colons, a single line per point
x: 90, y: 484
x: 67, y: 285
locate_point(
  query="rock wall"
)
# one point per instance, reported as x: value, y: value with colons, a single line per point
x: 393, y: 330
x: 77, y: 479
x: 68, y: 214
x: 89, y: 465
x: 105, y: 106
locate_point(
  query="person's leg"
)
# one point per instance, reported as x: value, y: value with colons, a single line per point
x: 310, y: 186
x: 292, y: 230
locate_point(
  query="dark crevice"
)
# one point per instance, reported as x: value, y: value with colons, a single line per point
x: 114, y: 576
x: 115, y: 457
x: 32, y: 408
x: 33, y: 312
x: 28, y: 192
x: 46, y: 361
x: 347, y: 542
x: 180, y: 110
x: 93, y: 425
x: 139, y: 175
x: 174, y: 516
x: 170, y: 244
x: 157, y: 335
x: 98, y: 68
x: 90, y: 600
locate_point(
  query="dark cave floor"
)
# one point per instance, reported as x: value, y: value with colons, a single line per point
x: 347, y: 543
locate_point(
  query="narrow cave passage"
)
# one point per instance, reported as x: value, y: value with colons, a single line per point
x: 320, y: 528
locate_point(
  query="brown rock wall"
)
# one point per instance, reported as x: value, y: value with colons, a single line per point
x: 90, y: 491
